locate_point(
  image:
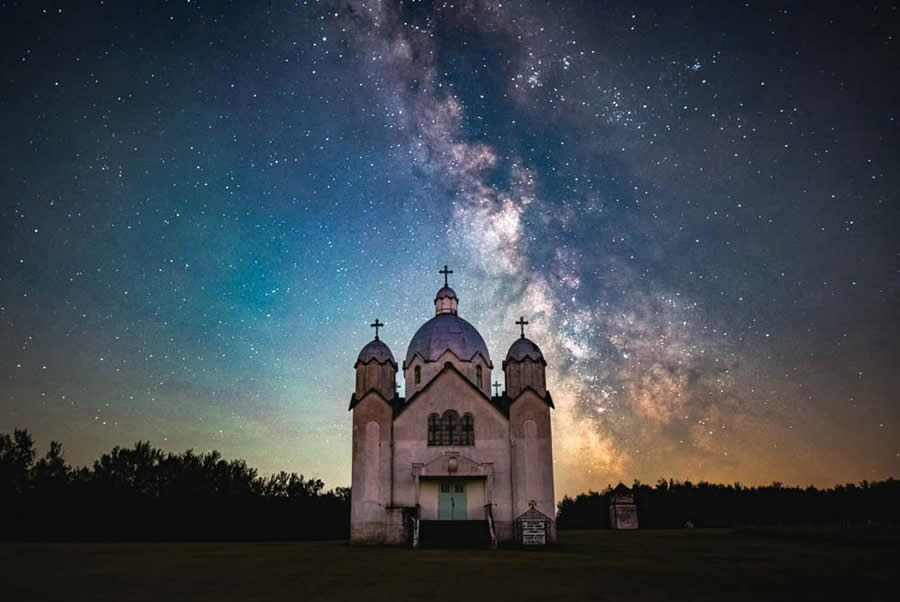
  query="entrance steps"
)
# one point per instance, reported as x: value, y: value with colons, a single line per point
x: 454, y: 534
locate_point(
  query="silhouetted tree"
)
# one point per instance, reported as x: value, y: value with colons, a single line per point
x: 146, y: 493
x: 16, y: 458
x: 672, y: 504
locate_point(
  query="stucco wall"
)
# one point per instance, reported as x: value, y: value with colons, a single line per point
x: 371, y: 470
x: 532, y: 456
x: 451, y: 392
x: 428, y: 499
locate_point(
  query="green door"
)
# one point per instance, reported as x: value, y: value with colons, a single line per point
x: 452, y: 500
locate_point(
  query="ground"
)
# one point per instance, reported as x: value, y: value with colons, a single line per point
x: 586, y: 565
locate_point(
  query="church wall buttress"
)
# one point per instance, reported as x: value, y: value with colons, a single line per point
x: 532, y: 459
x: 370, y: 480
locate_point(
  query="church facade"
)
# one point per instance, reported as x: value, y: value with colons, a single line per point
x: 450, y: 457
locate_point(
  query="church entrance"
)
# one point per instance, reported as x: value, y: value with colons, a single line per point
x: 453, y: 512
x: 452, y: 500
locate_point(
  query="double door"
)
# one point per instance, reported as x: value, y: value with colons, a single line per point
x: 452, y: 500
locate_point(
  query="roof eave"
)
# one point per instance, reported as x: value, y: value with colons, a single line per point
x: 540, y: 359
x: 546, y: 397
x: 397, y: 400
x: 448, y: 366
x: 407, y: 362
x: 388, y: 360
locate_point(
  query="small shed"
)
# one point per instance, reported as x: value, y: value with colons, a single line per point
x: 622, y: 508
x: 533, y: 527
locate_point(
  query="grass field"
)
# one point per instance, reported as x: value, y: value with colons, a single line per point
x: 586, y: 565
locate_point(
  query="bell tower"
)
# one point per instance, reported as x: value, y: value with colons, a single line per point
x: 376, y: 368
x: 524, y: 366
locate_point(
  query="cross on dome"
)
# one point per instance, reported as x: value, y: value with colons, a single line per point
x: 445, y: 272
x: 497, y: 388
x: 376, y: 325
x: 522, y: 322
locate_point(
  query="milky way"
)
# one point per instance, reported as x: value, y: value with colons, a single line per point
x: 695, y: 208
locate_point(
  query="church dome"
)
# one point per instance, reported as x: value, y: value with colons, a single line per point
x: 375, y: 350
x: 447, y: 331
x: 446, y: 293
x: 523, y: 348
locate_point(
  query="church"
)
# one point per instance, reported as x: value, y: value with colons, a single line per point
x: 450, y: 461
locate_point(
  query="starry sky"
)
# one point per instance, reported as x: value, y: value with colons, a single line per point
x: 205, y: 204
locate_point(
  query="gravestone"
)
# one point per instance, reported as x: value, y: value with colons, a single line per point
x: 533, y: 527
x: 622, y: 509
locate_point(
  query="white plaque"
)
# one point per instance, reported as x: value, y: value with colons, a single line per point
x: 534, y: 532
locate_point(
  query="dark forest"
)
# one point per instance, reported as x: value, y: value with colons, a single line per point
x: 144, y: 493
x: 674, y: 504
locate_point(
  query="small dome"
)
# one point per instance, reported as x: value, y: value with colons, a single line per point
x: 447, y: 331
x: 446, y: 293
x: 523, y: 348
x: 375, y: 350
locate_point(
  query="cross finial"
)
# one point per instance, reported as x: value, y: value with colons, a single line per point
x: 522, y: 322
x: 376, y: 325
x: 496, y: 388
x: 445, y: 272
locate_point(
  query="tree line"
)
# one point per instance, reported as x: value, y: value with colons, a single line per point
x: 145, y: 493
x: 676, y: 504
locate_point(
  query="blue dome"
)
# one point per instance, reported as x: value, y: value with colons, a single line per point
x: 443, y: 332
x: 376, y: 350
x: 523, y: 348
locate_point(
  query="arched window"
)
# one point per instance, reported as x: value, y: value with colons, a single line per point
x: 468, y: 430
x: 418, y: 374
x: 450, y: 428
x: 434, y: 429
x: 478, y: 376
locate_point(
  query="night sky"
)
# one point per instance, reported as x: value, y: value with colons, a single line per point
x: 205, y: 204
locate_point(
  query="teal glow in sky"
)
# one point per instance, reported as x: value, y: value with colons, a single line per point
x: 204, y: 207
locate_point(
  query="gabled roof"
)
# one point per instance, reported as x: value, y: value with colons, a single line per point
x: 546, y: 398
x: 394, y: 403
x: 409, y: 360
x: 533, y: 514
x: 501, y: 403
x: 449, y: 367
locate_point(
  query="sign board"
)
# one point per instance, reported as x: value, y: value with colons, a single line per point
x: 533, y: 527
x: 533, y: 531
